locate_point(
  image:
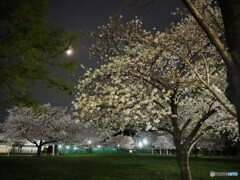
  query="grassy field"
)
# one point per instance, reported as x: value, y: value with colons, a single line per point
x: 109, y: 166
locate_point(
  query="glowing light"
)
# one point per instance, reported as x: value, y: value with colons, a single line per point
x: 89, y: 142
x: 69, y: 51
x: 140, y: 144
x: 98, y: 146
x: 145, y: 141
x: 67, y: 147
x: 75, y: 148
x: 60, y: 146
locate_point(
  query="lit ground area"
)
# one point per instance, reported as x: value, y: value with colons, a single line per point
x: 113, y: 166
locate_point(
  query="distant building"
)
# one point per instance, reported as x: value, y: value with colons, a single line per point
x: 3, y: 145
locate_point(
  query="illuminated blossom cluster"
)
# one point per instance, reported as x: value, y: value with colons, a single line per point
x: 164, y: 142
x: 211, y: 142
x: 120, y: 142
x: 90, y: 142
x: 146, y: 73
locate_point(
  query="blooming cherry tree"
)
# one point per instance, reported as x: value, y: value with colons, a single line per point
x: 121, y: 142
x: 91, y: 142
x: 44, y: 125
x: 211, y: 142
x: 163, y: 81
x: 164, y: 142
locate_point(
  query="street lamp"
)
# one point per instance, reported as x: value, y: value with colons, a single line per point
x: 89, y: 142
x: 145, y: 141
x: 60, y: 147
x: 140, y: 144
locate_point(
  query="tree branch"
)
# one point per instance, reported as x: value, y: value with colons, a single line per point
x: 198, y: 126
x: 186, y: 124
x: 165, y: 130
x: 226, y: 56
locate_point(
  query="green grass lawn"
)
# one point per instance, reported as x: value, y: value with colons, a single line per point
x: 109, y: 166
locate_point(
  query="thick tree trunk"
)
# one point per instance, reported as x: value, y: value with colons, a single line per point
x: 231, y: 18
x: 238, y: 148
x: 233, y: 89
x: 39, y: 151
x: 181, y: 150
x: 183, y: 163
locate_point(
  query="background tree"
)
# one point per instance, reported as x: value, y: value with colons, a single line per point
x: 44, y: 125
x: 148, y: 83
x: 146, y: 138
x: 91, y: 142
x: 19, y: 143
x: 120, y: 142
x: 164, y: 142
x: 31, y: 51
x: 210, y: 142
x: 76, y: 138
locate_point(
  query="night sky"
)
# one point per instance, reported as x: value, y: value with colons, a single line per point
x: 87, y: 15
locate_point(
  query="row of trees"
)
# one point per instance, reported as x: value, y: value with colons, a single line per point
x: 53, y: 125
x: 172, y: 81
x: 25, y: 125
